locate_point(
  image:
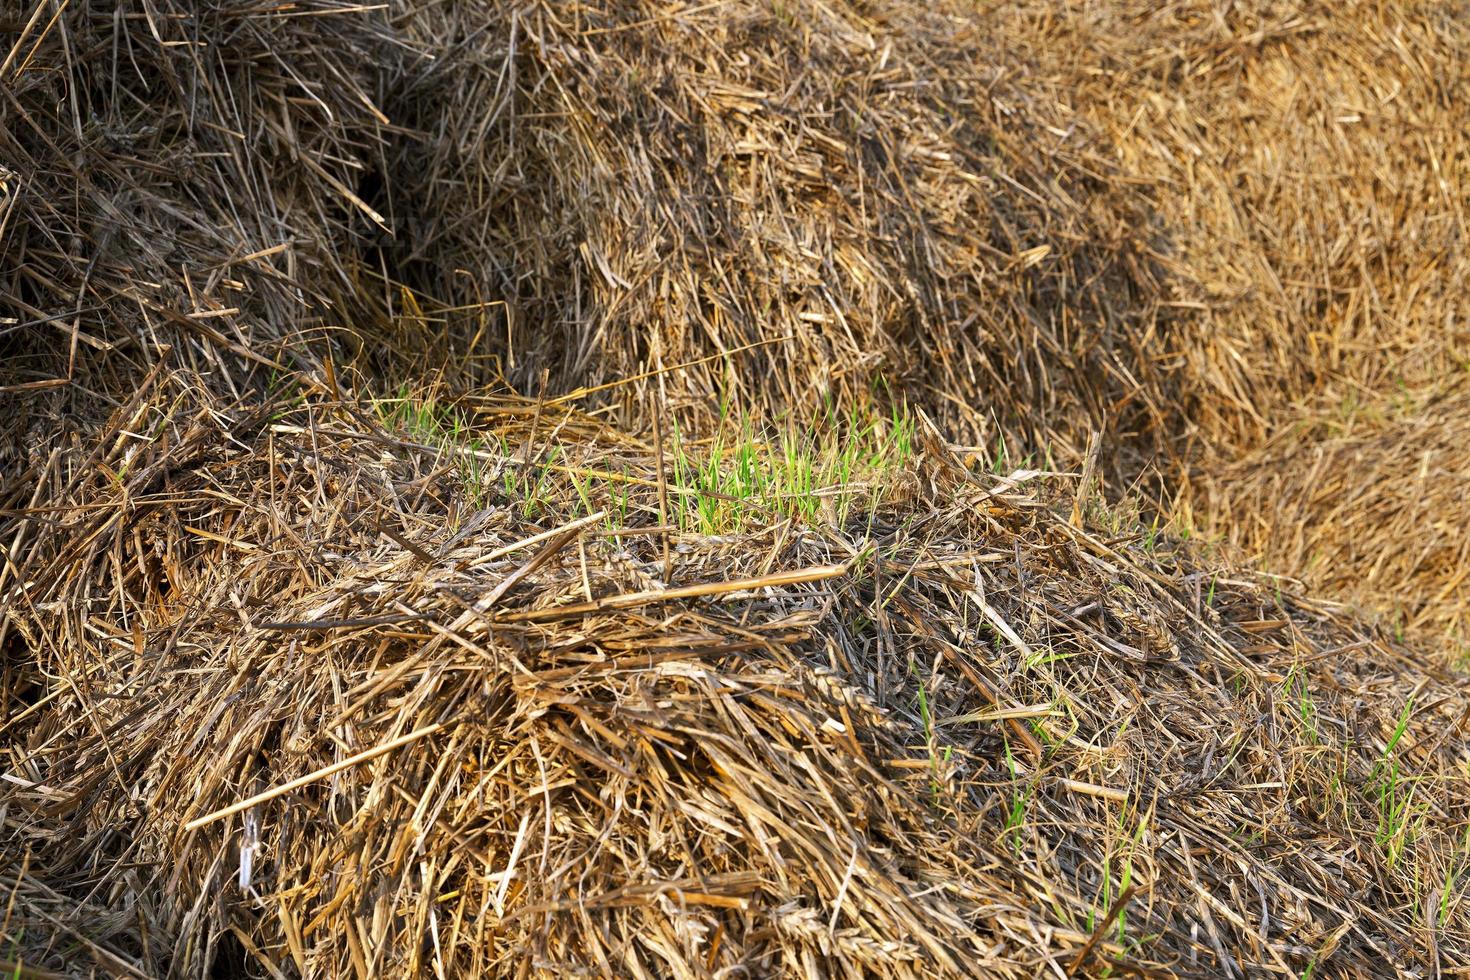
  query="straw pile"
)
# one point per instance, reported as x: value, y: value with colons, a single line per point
x: 960, y: 735
x: 870, y: 190
x: 296, y: 681
x: 178, y: 178
x: 1311, y: 163
x: 586, y: 193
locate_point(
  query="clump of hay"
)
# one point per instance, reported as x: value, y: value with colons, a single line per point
x: 1309, y: 165
x: 958, y: 733
x: 862, y: 189
x: 179, y: 175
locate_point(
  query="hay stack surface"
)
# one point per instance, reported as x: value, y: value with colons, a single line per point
x: 180, y: 175
x: 1310, y: 164
x: 1366, y: 501
x: 866, y: 190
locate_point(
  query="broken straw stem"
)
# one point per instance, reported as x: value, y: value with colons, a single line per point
x: 312, y: 777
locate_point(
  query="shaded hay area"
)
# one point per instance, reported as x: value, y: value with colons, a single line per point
x: 578, y: 194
